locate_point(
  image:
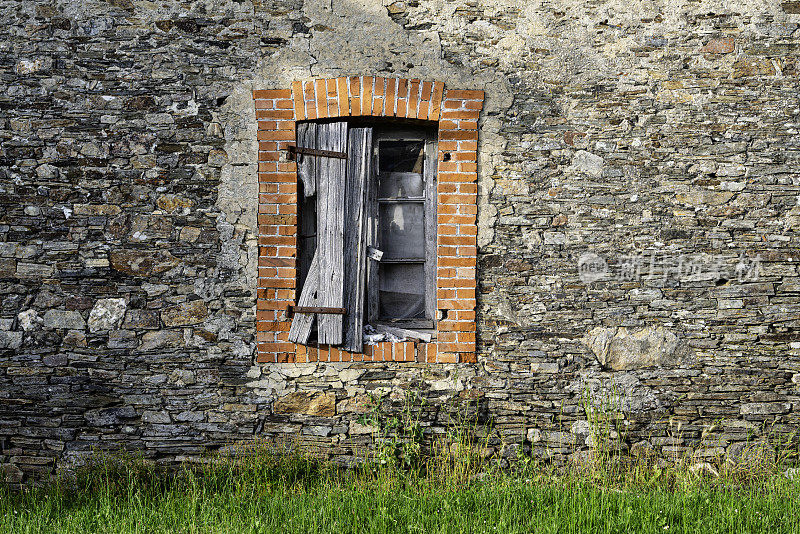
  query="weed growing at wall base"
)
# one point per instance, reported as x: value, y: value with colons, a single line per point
x: 260, y: 491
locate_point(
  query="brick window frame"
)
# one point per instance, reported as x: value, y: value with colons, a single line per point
x: 456, y: 113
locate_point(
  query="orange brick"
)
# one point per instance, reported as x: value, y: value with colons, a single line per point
x: 469, y: 250
x: 469, y: 189
x: 413, y: 99
x: 411, y: 352
x: 275, y: 114
x: 455, y: 326
x: 463, y: 315
x: 331, y: 88
x: 456, y: 177
x: 456, y: 262
x: 390, y: 99
x: 468, y: 145
x: 297, y: 97
x: 277, y: 347
x: 425, y: 100
x: 267, y: 156
x: 264, y: 357
x: 457, y: 199
x: 274, y: 135
x: 344, y: 101
x: 455, y: 304
x: 321, y: 100
x: 332, y: 99
x: 280, y: 282
x: 447, y: 209
x: 380, y: 87
x: 465, y: 294
x: 267, y: 146
x: 402, y: 97
x: 402, y: 88
x: 431, y: 349
x: 447, y: 337
x: 402, y: 107
x: 458, y: 134
x: 466, y: 337
x: 366, y: 95
x: 465, y: 155
x: 456, y: 219
x: 460, y: 115
x: 272, y: 93
x: 436, y: 101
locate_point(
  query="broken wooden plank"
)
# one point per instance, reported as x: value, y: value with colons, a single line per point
x: 403, y: 333
x: 330, y: 229
x: 302, y: 322
x: 358, y: 175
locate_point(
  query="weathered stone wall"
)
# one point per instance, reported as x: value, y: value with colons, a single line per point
x: 127, y: 234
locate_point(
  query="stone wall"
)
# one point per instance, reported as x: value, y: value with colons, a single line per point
x: 652, y: 134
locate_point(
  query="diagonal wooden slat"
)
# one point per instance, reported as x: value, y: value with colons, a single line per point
x: 302, y: 322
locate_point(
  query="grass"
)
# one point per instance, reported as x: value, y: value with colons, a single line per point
x: 413, y: 485
x: 265, y: 492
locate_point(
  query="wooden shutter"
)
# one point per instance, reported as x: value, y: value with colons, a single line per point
x: 330, y: 229
x: 307, y: 167
x: 359, y: 167
x: 336, y: 277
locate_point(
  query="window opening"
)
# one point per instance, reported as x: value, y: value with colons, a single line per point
x: 385, y: 267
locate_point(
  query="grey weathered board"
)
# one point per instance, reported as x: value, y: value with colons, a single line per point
x: 307, y: 165
x: 431, y: 151
x: 302, y: 322
x: 355, y: 245
x: 330, y: 229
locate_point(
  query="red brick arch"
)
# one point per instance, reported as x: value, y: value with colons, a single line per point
x: 456, y: 112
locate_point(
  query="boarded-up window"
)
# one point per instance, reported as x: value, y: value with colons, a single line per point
x: 367, y: 231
